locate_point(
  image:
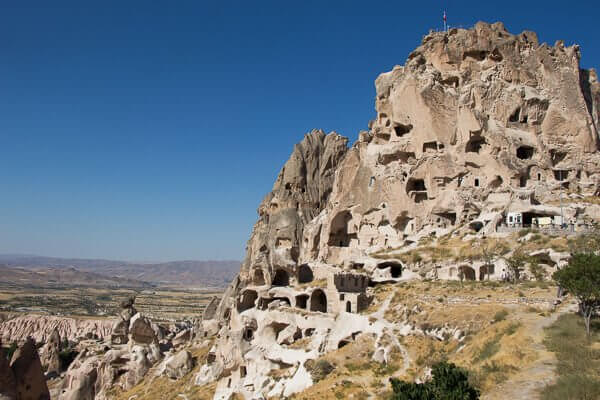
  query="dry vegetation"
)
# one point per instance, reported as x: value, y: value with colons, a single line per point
x: 450, y: 247
x: 159, y: 303
x: 497, y: 322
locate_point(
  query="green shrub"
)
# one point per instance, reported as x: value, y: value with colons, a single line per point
x: 319, y: 369
x: 66, y: 357
x: 489, y: 348
x: 500, y: 315
x: 449, y: 382
x: 512, y: 328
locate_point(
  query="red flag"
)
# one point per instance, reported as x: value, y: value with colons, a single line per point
x: 444, y: 16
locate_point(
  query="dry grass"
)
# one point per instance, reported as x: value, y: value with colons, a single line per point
x: 455, y: 249
x: 578, y: 360
x: 497, y: 342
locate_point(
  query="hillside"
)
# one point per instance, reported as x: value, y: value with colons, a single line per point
x: 483, y: 156
x: 174, y: 273
x: 68, y: 276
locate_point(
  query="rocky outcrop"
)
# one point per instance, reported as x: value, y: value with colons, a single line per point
x: 27, y: 370
x: 140, y: 330
x: 182, y: 338
x: 120, y: 329
x: 122, y: 362
x: 50, y: 354
x: 8, y: 383
x: 80, y: 380
x: 179, y: 365
x: 480, y: 130
x: 41, y: 327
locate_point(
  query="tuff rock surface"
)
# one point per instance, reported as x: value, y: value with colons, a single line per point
x: 27, y: 370
x: 41, y: 327
x: 134, y: 346
x: 8, y: 384
x: 478, y: 125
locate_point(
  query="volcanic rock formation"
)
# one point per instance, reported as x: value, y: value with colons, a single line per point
x: 27, y: 370
x: 479, y: 126
x: 42, y: 327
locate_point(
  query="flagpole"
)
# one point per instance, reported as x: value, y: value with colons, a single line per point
x: 445, y: 28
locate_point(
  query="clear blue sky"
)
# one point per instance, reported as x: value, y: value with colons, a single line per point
x: 150, y: 130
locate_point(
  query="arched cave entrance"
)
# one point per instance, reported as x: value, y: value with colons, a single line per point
x: 247, y: 300
x: 485, y: 270
x: 281, y: 278
x: 248, y: 334
x: 305, y: 274
x: 394, y: 266
x: 318, y: 301
x: 416, y: 189
x: 525, y: 152
x: 348, y: 307
x: 476, y: 225
x: 338, y: 233
x: 259, y: 277
x: 468, y: 273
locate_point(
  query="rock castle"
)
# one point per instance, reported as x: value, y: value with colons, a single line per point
x: 480, y: 131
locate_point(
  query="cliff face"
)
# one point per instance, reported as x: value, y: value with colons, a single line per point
x: 479, y: 125
x: 299, y: 194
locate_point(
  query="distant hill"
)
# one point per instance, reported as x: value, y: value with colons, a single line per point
x: 174, y: 273
x: 51, y: 276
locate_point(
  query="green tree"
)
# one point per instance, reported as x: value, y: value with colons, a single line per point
x: 490, y: 250
x: 461, y: 275
x: 536, y: 270
x: 448, y: 382
x: 515, y: 263
x: 581, y: 278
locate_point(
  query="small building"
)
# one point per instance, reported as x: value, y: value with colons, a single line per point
x: 542, y: 222
x: 514, y: 219
x: 350, y: 291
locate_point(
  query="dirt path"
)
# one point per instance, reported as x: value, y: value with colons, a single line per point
x: 530, y: 380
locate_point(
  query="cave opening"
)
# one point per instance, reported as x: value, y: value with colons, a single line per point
x: 318, y: 301
x: 305, y: 274
x: 525, y: 152
x: 302, y: 301
x: 281, y: 278
x: 401, y: 129
x: 247, y: 300
x: 475, y: 144
x: 395, y: 268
